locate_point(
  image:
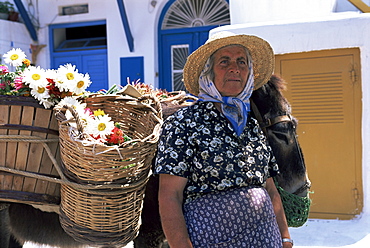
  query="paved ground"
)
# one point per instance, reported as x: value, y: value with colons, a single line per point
x: 320, y: 234
x: 333, y: 233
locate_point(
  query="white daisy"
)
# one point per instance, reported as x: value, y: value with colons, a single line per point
x: 14, y: 57
x: 35, y: 76
x: 47, y: 104
x: 71, y: 101
x: 80, y: 84
x: 100, y: 126
x: 77, y: 105
x: 52, y: 74
x: 67, y: 76
x: 40, y: 92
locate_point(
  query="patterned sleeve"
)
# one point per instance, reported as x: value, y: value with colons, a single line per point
x: 273, y: 166
x: 174, y: 154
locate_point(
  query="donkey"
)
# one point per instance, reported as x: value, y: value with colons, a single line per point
x: 274, y: 113
x: 276, y: 119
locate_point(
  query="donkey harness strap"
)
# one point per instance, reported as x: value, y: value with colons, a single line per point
x: 268, y: 122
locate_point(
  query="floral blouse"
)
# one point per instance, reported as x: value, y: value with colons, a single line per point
x: 198, y: 143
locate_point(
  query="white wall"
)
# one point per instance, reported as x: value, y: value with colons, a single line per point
x: 142, y: 18
x: 248, y: 11
x: 343, y: 30
x: 17, y: 37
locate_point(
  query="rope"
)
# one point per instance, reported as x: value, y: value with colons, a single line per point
x: 87, y: 188
x: 25, y: 138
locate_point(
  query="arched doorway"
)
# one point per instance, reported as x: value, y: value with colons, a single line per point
x: 183, y: 27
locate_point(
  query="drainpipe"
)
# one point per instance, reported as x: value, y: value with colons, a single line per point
x: 26, y: 19
x: 126, y: 26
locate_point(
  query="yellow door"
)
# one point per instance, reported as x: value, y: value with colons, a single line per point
x: 324, y: 89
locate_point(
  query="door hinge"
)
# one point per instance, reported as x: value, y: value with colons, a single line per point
x: 356, y: 194
x: 353, y: 75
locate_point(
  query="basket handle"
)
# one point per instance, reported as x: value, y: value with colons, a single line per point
x: 144, y: 99
x: 60, y: 116
x: 180, y: 98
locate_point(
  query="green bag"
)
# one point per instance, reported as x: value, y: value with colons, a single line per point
x: 296, y: 207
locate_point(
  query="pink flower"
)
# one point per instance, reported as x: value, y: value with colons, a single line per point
x: 18, y: 83
x: 88, y: 111
x: 3, y: 69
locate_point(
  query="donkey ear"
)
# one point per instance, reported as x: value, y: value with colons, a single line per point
x: 278, y: 82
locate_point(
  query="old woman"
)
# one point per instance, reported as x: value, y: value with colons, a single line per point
x: 216, y: 169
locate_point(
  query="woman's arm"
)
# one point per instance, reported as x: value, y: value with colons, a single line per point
x: 170, y: 197
x: 279, y: 211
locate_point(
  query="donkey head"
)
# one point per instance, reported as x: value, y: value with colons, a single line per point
x: 280, y: 127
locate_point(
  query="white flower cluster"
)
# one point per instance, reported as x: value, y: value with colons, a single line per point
x: 49, y: 86
x: 97, y: 124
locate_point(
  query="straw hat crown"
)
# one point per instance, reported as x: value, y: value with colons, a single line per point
x: 260, y: 50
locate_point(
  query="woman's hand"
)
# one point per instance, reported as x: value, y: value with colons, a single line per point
x: 287, y: 245
x: 279, y: 211
x: 170, y: 198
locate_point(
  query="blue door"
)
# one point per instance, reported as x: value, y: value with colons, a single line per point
x: 97, y: 67
x: 132, y: 69
x: 93, y: 62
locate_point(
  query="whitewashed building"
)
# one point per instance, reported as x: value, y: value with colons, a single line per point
x: 322, y: 49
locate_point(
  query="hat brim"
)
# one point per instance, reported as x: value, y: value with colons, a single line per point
x: 260, y: 50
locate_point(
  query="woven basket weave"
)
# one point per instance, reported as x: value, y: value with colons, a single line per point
x: 102, y: 217
x: 108, y: 216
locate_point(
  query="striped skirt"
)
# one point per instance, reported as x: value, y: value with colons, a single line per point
x: 237, y: 218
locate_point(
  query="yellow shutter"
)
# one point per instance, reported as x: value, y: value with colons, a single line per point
x: 324, y: 89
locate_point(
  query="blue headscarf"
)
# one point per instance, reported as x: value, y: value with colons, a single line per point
x: 235, y: 109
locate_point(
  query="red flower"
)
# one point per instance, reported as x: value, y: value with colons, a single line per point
x: 116, y: 137
x: 53, y: 90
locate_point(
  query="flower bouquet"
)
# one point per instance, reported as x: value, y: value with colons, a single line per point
x: 29, y: 149
x: 46, y: 86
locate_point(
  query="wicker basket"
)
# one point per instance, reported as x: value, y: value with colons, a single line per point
x: 179, y: 100
x: 28, y: 144
x: 102, y: 217
x: 108, y: 216
x: 140, y: 120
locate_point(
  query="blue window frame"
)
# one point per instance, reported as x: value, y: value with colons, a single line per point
x: 89, y: 54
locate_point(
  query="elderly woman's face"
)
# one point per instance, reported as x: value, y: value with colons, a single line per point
x: 230, y: 70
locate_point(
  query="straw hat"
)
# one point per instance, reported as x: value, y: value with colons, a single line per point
x: 259, y: 49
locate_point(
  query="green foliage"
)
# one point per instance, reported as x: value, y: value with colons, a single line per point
x: 6, y: 7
